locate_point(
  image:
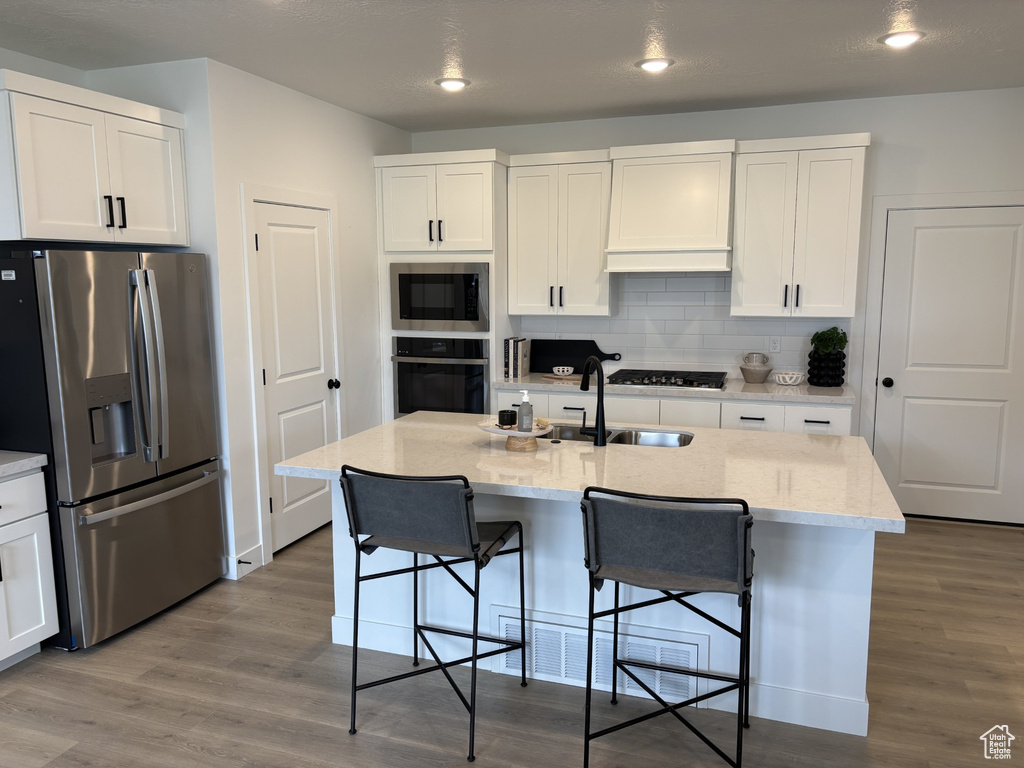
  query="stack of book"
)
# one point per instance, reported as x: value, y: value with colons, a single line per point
x: 517, y: 357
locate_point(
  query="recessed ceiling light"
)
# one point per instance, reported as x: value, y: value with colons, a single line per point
x: 654, y: 65
x: 901, y: 39
x: 452, y: 83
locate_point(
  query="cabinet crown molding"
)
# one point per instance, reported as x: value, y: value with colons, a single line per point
x: 83, y: 97
x: 560, y: 158
x: 834, y: 141
x: 669, y: 150
x: 442, y: 158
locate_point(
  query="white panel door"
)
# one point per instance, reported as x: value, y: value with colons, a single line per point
x: 465, y: 207
x: 147, y: 176
x: 532, y: 239
x: 949, y: 419
x: 61, y: 153
x: 409, y: 200
x: 584, y: 191
x: 299, y: 357
x: 762, y: 260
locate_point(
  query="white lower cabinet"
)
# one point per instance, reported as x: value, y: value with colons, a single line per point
x: 690, y: 413
x: 505, y: 400
x: 629, y: 410
x: 818, y: 420
x: 28, y: 607
x: 753, y: 416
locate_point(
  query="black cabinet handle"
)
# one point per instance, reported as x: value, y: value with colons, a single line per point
x: 440, y: 237
x: 1, y: 572
x: 124, y: 216
x: 516, y: 405
x: 551, y: 295
x: 751, y: 418
x: 887, y: 382
x: 797, y: 302
x: 430, y: 230
x: 573, y: 408
x: 816, y: 421
x: 561, y: 295
x: 110, y: 210
x: 785, y: 295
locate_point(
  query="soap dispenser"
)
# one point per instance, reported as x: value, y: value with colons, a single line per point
x: 525, y: 413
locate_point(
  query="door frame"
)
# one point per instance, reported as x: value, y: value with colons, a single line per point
x: 252, y: 195
x: 868, y: 323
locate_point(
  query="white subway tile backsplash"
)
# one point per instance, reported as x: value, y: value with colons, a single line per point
x: 676, y: 298
x: 680, y: 321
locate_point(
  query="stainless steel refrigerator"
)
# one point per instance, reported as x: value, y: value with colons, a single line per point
x: 106, y: 366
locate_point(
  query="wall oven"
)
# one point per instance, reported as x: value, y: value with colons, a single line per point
x: 446, y: 298
x: 440, y: 375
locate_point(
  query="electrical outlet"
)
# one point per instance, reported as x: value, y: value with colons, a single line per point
x: 774, y: 343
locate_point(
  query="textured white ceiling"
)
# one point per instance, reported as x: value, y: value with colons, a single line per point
x: 543, y: 60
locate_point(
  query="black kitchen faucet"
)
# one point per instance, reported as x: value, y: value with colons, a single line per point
x: 593, y: 364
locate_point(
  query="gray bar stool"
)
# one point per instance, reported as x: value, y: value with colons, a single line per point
x: 679, y: 547
x: 430, y: 516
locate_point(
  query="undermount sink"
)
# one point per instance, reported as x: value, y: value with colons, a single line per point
x: 647, y: 437
x: 669, y: 439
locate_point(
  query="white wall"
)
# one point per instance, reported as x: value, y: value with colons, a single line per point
x: 30, y: 65
x: 936, y: 143
x: 242, y: 129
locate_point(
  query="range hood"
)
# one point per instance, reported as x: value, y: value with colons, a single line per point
x: 671, y: 207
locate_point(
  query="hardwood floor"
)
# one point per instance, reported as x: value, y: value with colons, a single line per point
x: 244, y: 674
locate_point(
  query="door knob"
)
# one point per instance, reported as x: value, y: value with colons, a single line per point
x: 887, y: 382
x: 333, y: 384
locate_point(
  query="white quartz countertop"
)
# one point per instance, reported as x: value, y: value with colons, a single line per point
x: 820, y: 480
x: 735, y: 389
x: 14, y: 462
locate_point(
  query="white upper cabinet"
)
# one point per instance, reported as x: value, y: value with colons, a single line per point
x: 80, y: 173
x: 797, y: 227
x: 670, y: 207
x: 558, y: 220
x: 438, y: 207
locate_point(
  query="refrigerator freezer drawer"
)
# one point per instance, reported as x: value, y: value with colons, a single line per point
x: 133, y: 555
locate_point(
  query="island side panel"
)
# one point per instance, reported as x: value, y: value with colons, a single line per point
x: 810, y: 622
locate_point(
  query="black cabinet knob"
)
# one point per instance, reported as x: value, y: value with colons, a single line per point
x: 333, y: 384
x: 887, y: 382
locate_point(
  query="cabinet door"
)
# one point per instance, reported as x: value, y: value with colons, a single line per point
x: 691, y: 413
x: 617, y: 410
x: 762, y: 259
x: 532, y: 239
x: 818, y: 420
x: 753, y: 416
x: 571, y: 408
x: 465, y: 207
x: 61, y: 155
x: 147, y: 178
x: 671, y: 203
x: 830, y: 188
x: 583, y: 198
x: 409, y: 200
x: 506, y: 399
x: 28, y: 608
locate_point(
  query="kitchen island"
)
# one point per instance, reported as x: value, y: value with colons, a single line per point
x: 817, y: 502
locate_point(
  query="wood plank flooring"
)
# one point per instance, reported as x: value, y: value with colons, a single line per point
x: 244, y: 674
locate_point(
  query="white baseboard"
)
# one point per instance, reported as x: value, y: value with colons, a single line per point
x: 20, y: 656
x: 253, y: 558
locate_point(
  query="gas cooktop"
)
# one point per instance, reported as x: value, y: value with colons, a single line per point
x: 640, y: 377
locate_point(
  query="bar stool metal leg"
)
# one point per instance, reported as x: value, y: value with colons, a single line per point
x: 522, y: 606
x: 590, y: 674
x: 615, y: 648
x: 415, y: 609
x: 355, y: 644
x: 472, y: 684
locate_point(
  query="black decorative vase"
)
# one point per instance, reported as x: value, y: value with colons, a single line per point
x: 826, y: 370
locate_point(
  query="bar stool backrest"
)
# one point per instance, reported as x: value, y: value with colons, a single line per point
x: 431, y: 510
x: 707, y: 540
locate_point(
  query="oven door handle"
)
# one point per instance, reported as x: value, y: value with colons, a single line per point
x: 441, y: 360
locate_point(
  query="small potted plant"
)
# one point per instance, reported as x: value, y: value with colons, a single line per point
x: 826, y: 365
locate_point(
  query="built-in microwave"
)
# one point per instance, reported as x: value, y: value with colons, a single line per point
x: 444, y: 297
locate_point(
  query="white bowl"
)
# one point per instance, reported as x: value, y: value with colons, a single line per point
x: 788, y: 378
x: 562, y: 370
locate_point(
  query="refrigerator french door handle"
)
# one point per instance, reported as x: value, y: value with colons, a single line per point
x: 163, y: 424
x: 144, y: 368
x: 99, y: 517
